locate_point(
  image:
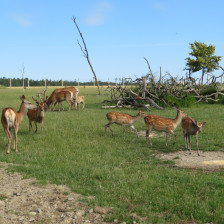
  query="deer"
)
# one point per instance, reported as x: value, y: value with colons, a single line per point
x: 72, y: 89
x: 59, y: 97
x: 123, y: 119
x: 191, y: 127
x: 37, y: 115
x: 12, y: 119
x: 163, y: 124
x: 80, y: 100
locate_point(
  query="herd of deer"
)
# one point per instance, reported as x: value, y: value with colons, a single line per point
x: 11, y: 119
x: 167, y: 125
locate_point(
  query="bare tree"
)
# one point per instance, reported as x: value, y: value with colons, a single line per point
x: 85, y: 53
x: 22, y: 70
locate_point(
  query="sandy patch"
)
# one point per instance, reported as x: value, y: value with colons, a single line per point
x: 207, y: 160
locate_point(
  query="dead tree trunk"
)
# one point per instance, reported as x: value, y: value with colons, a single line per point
x: 86, y: 54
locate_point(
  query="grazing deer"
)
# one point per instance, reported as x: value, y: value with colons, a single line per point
x: 163, y: 124
x: 37, y: 115
x: 191, y: 127
x: 72, y: 89
x: 59, y: 97
x: 122, y: 119
x: 80, y: 100
x: 12, y: 119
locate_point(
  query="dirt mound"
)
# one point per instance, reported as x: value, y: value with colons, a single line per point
x: 207, y: 160
x: 23, y: 202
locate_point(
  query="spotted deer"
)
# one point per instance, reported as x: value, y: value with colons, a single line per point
x: 122, y: 119
x: 12, y: 119
x: 163, y: 124
x: 191, y: 127
x: 37, y: 115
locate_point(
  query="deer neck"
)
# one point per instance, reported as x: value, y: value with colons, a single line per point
x: 40, y: 113
x: 135, y: 118
x: 178, y: 118
x: 22, y: 112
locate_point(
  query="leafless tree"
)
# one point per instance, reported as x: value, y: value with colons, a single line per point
x: 22, y: 70
x: 85, y: 53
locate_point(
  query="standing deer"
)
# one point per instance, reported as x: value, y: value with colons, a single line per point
x: 37, y: 115
x: 12, y: 119
x: 163, y: 124
x: 191, y: 127
x: 122, y: 119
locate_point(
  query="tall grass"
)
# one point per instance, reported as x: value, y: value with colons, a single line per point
x: 120, y: 173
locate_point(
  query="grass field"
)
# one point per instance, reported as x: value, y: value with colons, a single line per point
x: 123, y: 174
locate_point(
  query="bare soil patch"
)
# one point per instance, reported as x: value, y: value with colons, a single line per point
x: 207, y: 160
x: 23, y: 202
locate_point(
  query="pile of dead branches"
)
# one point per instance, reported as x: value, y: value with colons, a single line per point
x: 148, y: 92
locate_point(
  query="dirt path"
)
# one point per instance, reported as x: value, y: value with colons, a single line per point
x: 206, y: 161
x: 23, y: 202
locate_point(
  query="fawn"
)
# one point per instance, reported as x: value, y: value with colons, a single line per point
x: 80, y: 100
x: 191, y: 127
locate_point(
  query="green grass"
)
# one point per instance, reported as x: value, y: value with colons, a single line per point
x: 120, y: 173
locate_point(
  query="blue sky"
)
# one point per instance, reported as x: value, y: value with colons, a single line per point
x: 42, y: 36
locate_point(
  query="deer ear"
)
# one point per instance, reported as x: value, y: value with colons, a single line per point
x: 22, y: 97
x: 203, y: 123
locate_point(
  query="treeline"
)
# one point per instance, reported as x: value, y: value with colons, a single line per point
x: 19, y: 82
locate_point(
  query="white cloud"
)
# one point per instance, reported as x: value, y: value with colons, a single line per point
x: 21, y: 19
x: 160, y: 5
x: 99, y: 14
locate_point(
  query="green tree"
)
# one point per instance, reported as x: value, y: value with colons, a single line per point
x: 204, y: 58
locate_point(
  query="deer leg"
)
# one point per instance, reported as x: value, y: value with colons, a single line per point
x: 185, y: 140
x: 189, y: 143
x: 108, y: 126
x: 31, y: 126
x: 83, y: 105
x: 147, y: 135
x: 59, y: 105
x: 76, y: 105
x: 196, y: 139
x: 175, y: 137
x: 42, y: 127
x: 36, y: 126
x: 133, y: 128
x: 16, y: 130
x: 9, y: 135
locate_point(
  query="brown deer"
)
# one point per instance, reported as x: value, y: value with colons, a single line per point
x: 122, y: 119
x: 72, y: 89
x: 12, y: 119
x: 80, y: 100
x: 37, y: 115
x: 59, y: 97
x: 191, y: 127
x: 163, y: 124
